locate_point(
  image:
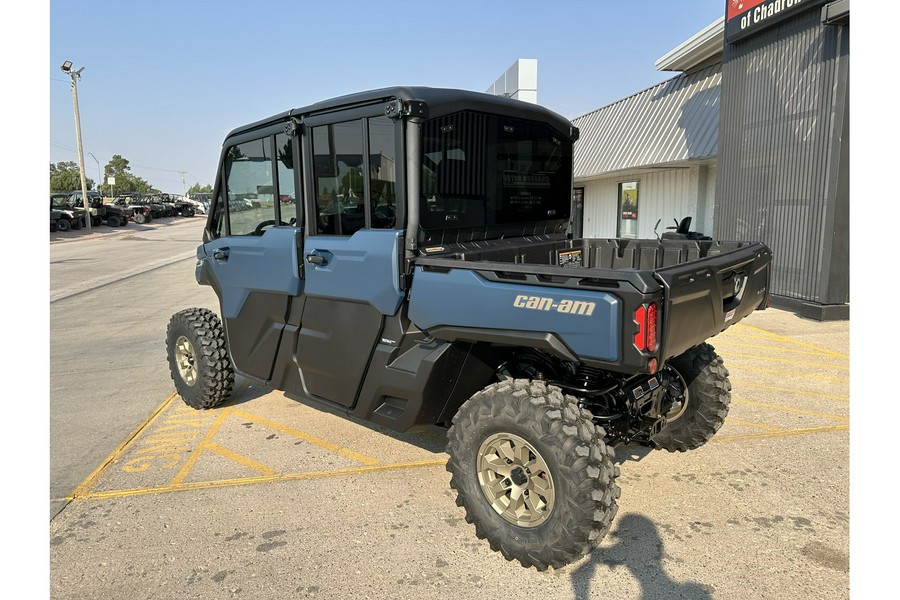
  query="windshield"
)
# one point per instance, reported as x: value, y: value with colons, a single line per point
x: 482, y: 170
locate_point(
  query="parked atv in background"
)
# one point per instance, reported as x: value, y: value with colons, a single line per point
x: 61, y: 209
x: 63, y: 220
x: 680, y: 231
x: 137, y: 212
x: 179, y: 206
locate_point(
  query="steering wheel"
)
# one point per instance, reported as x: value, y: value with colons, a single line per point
x: 267, y: 223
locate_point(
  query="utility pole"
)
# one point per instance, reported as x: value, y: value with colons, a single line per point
x: 183, y: 189
x: 75, y: 75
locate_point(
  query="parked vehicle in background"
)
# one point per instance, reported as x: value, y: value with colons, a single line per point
x: 61, y: 202
x: 157, y: 209
x: 139, y: 213
x: 63, y: 220
x: 95, y: 204
x: 179, y: 205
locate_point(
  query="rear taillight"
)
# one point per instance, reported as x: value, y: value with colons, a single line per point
x: 647, y: 319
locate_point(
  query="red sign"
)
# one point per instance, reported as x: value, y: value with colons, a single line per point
x: 743, y: 17
x: 736, y: 7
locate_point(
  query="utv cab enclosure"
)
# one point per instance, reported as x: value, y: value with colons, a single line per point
x: 429, y: 273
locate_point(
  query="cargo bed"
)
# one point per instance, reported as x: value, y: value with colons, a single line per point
x: 705, y: 285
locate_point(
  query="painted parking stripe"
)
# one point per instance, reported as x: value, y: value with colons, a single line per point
x: 786, y: 339
x: 222, y: 483
x: 773, y: 388
x: 757, y: 425
x: 780, y: 360
x: 85, y: 486
x: 729, y: 343
x: 740, y: 367
x: 775, y: 434
x: 790, y: 409
x: 306, y: 437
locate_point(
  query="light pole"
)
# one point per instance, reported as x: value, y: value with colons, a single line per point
x: 75, y: 75
x: 99, y: 172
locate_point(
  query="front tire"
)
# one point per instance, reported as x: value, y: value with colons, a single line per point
x: 704, y: 406
x: 63, y: 225
x: 113, y: 221
x: 198, y: 358
x: 140, y: 218
x: 533, y: 473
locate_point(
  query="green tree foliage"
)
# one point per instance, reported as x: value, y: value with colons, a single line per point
x: 66, y: 177
x: 119, y: 167
x: 200, y: 189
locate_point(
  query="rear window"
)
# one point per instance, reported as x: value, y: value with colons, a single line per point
x: 481, y: 170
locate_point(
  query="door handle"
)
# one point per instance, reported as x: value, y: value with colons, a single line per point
x: 315, y: 259
x: 221, y: 254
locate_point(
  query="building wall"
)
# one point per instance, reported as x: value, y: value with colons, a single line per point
x: 782, y: 143
x: 666, y: 194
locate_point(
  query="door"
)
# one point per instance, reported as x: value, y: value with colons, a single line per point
x: 253, y: 261
x: 352, y: 254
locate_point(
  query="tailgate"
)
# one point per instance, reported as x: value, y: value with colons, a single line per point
x: 706, y: 296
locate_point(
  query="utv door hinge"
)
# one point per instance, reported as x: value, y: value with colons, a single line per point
x: 397, y: 109
x: 292, y: 126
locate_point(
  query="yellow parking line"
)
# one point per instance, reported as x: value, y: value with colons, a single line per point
x: 778, y: 349
x: 730, y: 355
x: 195, y: 455
x: 789, y: 390
x: 361, y: 458
x: 85, y: 486
x: 757, y: 425
x: 241, y: 459
x: 798, y: 411
x: 786, y: 432
x: 793, y: 341
x: 205, y: 485
x: 794, y: 374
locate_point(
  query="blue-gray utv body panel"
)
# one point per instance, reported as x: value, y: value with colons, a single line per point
x: 587, y: 321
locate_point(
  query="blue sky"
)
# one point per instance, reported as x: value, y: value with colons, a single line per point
x: 164, y: 81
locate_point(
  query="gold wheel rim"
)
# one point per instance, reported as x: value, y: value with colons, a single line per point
x: 185, y: 359
x: 515, y: 480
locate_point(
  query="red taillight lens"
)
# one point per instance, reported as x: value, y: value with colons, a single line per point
x: 640, y: 338
x: 651, y: 327
x: 647, y: 319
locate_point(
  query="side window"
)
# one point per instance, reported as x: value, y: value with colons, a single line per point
x: 250, y: 189
x: 382, y: 173
x: 287, y: 195
x: 339, y: 178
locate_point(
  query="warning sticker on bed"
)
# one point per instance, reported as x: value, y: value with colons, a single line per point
x: 570, y: 258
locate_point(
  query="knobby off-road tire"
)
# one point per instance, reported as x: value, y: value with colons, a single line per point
x: 520, y: 435
x: 113, y: 221
x: 707, y: 395
x: 63, y: 225
x: 140, y: 218
x: 198, y: 358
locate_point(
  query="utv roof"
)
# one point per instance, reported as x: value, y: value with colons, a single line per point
x: 437, y: 101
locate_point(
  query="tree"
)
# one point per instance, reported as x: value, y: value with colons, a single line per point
x: 66, y: 177
x: 126, y: 181
x: 200, y: 189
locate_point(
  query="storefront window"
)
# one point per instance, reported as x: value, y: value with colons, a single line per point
x: 628, y: 209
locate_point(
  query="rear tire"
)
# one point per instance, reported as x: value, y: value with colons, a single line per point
x: 140, y: 218
x: 707, y: 396
x: 198, y: 358
x: 533, y: 473
x: 113, y: 221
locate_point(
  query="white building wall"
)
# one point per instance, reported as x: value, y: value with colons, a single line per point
x: 666, y: 194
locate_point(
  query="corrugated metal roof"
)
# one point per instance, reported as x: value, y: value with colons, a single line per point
x: 674, y: 121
